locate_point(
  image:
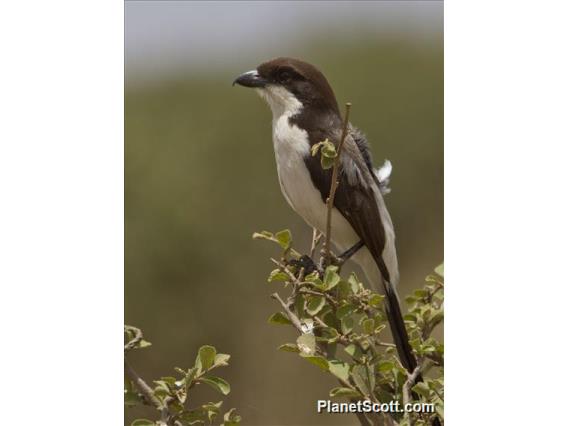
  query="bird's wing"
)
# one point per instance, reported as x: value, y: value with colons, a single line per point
x: 354, y: 197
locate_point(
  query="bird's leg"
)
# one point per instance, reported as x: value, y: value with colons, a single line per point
x: 341, y: 259
x: 346, y: 255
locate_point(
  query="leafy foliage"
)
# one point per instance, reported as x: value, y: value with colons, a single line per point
x: 328, y: 153
x: 343, y: 331
x: 170, y: 394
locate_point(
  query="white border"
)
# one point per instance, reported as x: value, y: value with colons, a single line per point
x: 506, y: 211
x: 61, y: 224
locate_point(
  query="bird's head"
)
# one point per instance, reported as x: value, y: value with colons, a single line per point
x: 288, y: 85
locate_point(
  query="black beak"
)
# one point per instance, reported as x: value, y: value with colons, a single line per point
x: 250, y: 79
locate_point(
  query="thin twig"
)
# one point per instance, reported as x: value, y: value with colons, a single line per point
x: 316, y: 237
x: 335, y: 183
x: 320, y: 294
x: 284, y: 268
x: 291, y: 315
x: 385, y: 344
x: 142, y: 386
x: 406, y: 395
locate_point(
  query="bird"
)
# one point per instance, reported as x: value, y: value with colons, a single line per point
x: 305, y: 112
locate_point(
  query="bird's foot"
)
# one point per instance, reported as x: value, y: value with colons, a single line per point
x: 305, y: 262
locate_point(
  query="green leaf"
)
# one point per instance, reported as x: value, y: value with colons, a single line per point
x: 422, y: 389
x: 162, y: 388
x: 439, y: 270
x: 190, y: 375
x: 180, y: 371
x: 421, y: 293
x: 315, y: 148
x: 231, y: 418
x: 279, y: 318
x: 359, y: 375
x: 307, y: 343
x: 144, y: 344
x: 142, y: 422
x: 331, y: 278
x: 345, y: 310
x: 364, y: 378
x: 299, y: 305
x: 278, y: 275
x: 221, y: 360
x: 343, y: 290
x: 339, y: 369
x: 326, y: 146
x: 337, y: 392
x: 317, y: 360
x: 217, y: 383
x: 368, y: 325
x: 376, y: 300
x: 206, y: 357
x: 327, y: 162
x: 353, y: 350
x: 385, y: 366
x: 284, y: 238
x: 327, y: 151
x: 171, y: 381
x: 380, y: 328
x: 330, y: 334
x: 196, y: 416
x: 313, y: 277
x: 289, y: 347
x: 132, y: 398
x: 212, y: 409
x: 315, y: 303
x: 347, y: 324
x: 354, y: 282
x: 264, y: 235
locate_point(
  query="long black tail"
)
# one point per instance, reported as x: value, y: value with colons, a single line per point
x: 396, y: 321
x: 399, y: 334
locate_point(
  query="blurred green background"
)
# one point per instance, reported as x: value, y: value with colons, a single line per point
x: 200, y: 178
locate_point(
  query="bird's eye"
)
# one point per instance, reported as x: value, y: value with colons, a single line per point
x: 285, y: 76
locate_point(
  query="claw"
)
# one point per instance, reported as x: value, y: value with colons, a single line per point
x: 305, y: 262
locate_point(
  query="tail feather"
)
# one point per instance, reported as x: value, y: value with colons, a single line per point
x: 398, y: 329
x: 396, y: 321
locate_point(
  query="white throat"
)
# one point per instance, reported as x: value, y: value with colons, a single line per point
x: 280, y: 100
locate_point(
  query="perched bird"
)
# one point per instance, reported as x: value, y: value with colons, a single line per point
x: 305, y: 112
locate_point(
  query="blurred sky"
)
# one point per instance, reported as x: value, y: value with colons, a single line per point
x: 165, y: 38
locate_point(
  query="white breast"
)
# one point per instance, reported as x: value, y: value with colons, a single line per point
x: 291, y: 147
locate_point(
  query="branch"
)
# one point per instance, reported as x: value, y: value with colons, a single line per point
x: 291, y: 315
x: 284, y: 268
x: 135, y: 340
x: 406, y: 395
x: 316, y: 237
x: 335, y: 183
x: 142, y: 386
